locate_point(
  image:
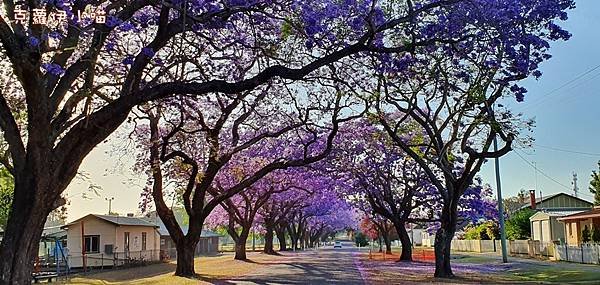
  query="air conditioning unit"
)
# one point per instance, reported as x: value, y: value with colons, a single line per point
x: 108, y: 248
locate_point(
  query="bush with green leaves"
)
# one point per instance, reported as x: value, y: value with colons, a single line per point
x: 361, y: 239
x: 586, y: 235
x: 518, y: 226
x: 484, y: 231
x: 596, y: 234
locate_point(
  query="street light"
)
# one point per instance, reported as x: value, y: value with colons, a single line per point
x: 109, y: 204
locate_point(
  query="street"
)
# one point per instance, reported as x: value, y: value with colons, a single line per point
x: 323, y: 266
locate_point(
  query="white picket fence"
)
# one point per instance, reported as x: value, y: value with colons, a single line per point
x: 515, y: 247
x: 585, y: 253
x: 476, y: 245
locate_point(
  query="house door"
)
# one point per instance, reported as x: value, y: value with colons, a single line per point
x: 126, y: 244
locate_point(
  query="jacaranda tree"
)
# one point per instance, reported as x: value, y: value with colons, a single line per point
x: 381, y: 181
x: 447, y: 93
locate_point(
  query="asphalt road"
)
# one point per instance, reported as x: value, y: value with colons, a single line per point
x: 323, y: 266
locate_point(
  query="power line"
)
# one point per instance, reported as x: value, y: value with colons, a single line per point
x: 543, y: 173
x: 546, y: 95
x: 566, y: 150
x: 550, y: 177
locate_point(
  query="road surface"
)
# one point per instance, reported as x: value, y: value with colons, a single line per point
x: 323, y: 266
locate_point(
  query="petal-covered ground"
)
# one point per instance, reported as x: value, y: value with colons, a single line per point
x: 350, y: 265
x: 473, y: 268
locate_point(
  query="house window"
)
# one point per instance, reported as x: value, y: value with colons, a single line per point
x: 143, y: 240
x: 91, y: 244
x: 126, y: 242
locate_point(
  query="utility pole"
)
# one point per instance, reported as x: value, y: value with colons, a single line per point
x: 109, y: 204
x: 499, y: 190
x: 575, y: 188
x: 500, y: 206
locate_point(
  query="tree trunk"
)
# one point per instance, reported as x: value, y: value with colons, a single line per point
x: 443, y: 241
x: 23, y: 232
x: 280, y: 232
x: 388, y: 243
x: 406, y: 254
x: 380, y: 243
x: 293, y: 237
x: 268, y: 249
x: 240, y: 244
x: 185, y: 258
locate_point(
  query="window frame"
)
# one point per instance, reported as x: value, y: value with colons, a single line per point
x: 144, y: 241
x: 91, y: 244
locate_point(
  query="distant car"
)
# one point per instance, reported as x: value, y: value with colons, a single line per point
x: 337, y: 244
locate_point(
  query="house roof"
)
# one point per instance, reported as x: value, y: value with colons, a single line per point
x: 545, y: 213
x: 181, y: 220
x: 53, y: 232
x: 539, y: 200
x: 593, y: 213
x: 118, y: 220
x: 164, y: 232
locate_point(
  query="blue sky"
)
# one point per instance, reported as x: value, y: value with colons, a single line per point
x: 567, y: 115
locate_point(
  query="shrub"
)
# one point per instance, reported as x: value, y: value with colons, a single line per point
x: 485, y: 231
x: 585, y: 234
x: 360, y: 239
x: 518, y: 226
x: 596, y: 235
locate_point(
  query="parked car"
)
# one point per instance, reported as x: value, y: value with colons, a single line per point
x: 337, y: 244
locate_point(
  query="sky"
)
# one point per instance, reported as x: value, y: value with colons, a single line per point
x: 564, y: 103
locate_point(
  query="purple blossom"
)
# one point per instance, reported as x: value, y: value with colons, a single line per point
x: 128, y: 60
x: 53, y: 69
x: 112, y: 21
x: 110, y: 46
x: 149, y: 52
x: 33, y: 41
x: 127, y: 26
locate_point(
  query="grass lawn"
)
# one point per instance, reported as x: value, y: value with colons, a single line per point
x: 521, y: 269
x: 209, y: 270
x: 477, y: 269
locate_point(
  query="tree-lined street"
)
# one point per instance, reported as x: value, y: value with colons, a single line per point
x: 288, y: 121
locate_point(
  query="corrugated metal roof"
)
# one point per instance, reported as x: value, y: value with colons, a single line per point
x: 539, y: 200
x: 119, y: 220
x: 163, y: 232
x: 563, y: 213
x: 126, y: 221
x: 593, y: 213
x: 551, y: 213
x: 153, y: 217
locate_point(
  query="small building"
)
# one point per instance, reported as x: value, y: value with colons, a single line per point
x: 208, y: 244
x: 575, y: 224
x: 52, y: 234
x: 107, y: 240
x: 545, y: 226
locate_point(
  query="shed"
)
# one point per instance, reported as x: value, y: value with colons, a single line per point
x: 545, y: 226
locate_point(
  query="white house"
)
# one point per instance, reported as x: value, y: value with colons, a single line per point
x: 105, y: 241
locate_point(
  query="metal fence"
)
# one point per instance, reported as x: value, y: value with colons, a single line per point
x: 116, y: 259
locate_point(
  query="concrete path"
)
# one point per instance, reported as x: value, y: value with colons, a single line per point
x: 323, y: 266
